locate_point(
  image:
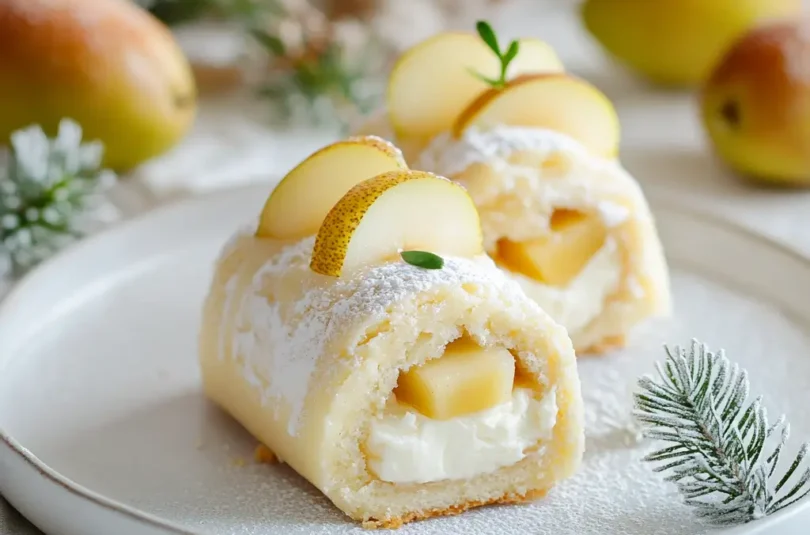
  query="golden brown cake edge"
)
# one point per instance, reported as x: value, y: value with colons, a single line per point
x: 508, y: 498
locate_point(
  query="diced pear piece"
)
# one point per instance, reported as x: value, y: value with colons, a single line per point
x: 467, y: 378
x: 558, y: 258
x: 431, y: 82
x: 558, y: 102
x: 393, y: 212
x: 298, y: 205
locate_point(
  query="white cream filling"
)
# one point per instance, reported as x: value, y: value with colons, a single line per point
x: 407, y: 447
x: 579, y: 302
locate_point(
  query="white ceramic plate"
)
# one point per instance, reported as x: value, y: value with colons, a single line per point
x: 104, y: 430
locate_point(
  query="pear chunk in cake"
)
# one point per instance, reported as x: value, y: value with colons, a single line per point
x: 401, y: 389
x: 560, y: 255
x: 466, y: 379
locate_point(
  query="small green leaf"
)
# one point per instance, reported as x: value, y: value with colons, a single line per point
x: 488, y: 36
x: 506, y: 60
x: 423, y: 259
x: 514, y: 47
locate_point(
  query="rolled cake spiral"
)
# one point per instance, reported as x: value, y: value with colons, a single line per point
x: 538, y: 156
x: 573, y: 229
x: 400, y: 392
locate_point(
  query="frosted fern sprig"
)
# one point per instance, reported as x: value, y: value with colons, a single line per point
x: 722, y: 453
x: 50, y: 194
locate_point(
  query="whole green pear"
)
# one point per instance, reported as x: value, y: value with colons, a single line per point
x: 107, y: 64
x: 676, y: 42
x: 755, y: 105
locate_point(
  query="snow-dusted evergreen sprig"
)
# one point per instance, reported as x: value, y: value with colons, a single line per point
x: 50, y: 194
x: 722, y: 453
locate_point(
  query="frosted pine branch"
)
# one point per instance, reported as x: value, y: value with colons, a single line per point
x: 722, y: 454
x: 50, y: 194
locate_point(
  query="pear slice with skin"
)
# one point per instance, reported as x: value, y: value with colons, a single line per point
x: 392, y: 212
x: 431, y: 83
x: 557, y: 102
x: 298, y: 205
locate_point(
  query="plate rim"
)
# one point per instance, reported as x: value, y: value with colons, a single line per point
x: 659, y: 199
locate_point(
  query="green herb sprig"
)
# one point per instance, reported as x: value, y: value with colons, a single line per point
x: 723, y: 453
x: 423, y: 259
x: 487, y: 35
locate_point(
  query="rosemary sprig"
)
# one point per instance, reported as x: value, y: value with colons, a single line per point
x: 722, y: 452
x: 423, y: 259
x: 487, y: 35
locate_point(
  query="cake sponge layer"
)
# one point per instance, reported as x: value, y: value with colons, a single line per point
x: 307, y: 362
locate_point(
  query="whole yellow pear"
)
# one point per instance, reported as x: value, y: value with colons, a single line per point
x: 756, y: 104
x: 107, y: 64
x: 676, y: 42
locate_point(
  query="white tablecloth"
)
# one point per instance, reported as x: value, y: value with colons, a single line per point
x: 663, y: 143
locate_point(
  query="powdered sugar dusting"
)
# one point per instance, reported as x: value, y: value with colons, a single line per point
x: 281, y: 342
x: 261, y: 331
x: 370, y: 293
x: 448, y: 156
x: 529, y: 193
x: 613, y: 493
x: 613, y: 214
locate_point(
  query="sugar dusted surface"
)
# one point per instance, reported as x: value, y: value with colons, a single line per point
x: 146, y: 436
x: 448, y: 156
x: 583, y: 182
x: 613, y: 494
x: 367, y: 294
x: 303, y: 341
